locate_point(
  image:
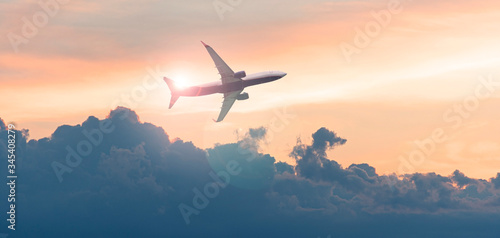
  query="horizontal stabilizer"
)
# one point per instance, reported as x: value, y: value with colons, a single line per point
x: 173, y: 91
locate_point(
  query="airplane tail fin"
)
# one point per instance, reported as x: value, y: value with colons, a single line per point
x: 173, y: 90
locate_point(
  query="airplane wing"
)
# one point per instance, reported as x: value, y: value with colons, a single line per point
x: 229, y: 99
x: 226, y: 73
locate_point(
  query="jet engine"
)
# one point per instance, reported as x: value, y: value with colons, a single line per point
x: 243, y: 96
x: 240, y: 74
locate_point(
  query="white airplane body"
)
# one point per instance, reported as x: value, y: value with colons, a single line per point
x: 231, y: 84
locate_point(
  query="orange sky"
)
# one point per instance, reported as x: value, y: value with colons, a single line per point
x: 428, y: 58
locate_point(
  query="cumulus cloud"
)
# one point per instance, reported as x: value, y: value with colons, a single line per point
x: 257, y: 170
x: 496, y: 181
x: 461, y: 179
x: 2, y: 124
x: 133, y: 181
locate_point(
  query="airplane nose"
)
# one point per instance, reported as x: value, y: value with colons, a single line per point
x: 283, y: 74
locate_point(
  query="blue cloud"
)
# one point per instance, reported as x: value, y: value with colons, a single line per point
x: 2, y: 125
x: 136, y: 182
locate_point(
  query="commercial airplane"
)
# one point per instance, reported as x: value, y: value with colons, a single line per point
x: 231, y: 84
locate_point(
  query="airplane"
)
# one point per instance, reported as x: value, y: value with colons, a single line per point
x: 231, y: 84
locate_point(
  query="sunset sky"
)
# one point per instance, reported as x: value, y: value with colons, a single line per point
x: 386, y: 124
x: 405, y: 83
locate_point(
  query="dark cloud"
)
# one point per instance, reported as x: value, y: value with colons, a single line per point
x: 2, y: 124
x: 282, y: 167
x: 496, y: 181
x: 258, y: 133
x: 257, y: 170
x: 323, y: 139
x: 461, y: 179
x: 313, y: 164
x: 133, y: 181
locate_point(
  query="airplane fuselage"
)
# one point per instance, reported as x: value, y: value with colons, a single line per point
x: 218, y: 87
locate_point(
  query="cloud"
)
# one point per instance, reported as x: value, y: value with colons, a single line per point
x: 134, y: 181
x: 311, y: 159
x: 257, y: 170
x: 461, y: 179
x: 2, y: 124
x: 496, y: 181
x: 141, y: 28
x: 323, y: 138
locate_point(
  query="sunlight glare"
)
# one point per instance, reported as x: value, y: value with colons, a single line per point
x: 181, y: 80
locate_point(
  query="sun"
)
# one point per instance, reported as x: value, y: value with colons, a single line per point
x: 181, y: 80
